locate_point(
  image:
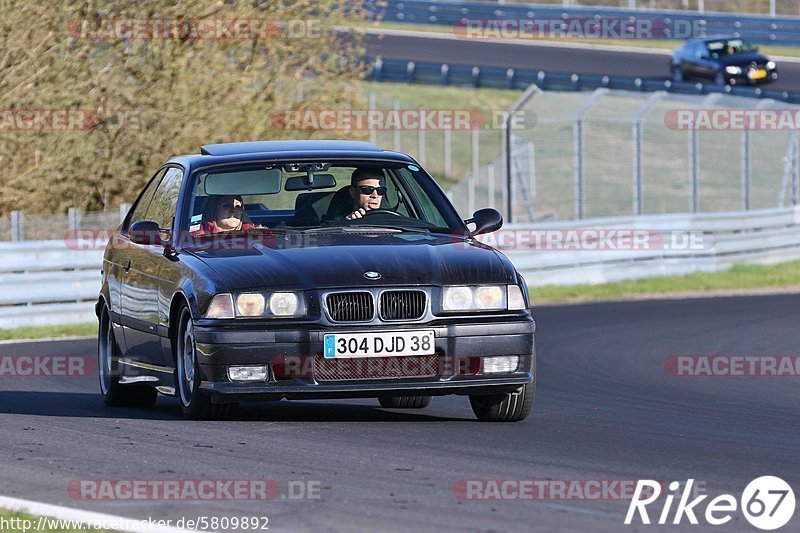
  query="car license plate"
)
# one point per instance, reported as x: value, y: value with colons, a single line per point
x: 383, y: 344
x: 758, y: 74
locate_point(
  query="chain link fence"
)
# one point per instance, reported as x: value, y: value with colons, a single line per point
x: 764, y: 7
x: 615, y: 153
x: 19, y: 226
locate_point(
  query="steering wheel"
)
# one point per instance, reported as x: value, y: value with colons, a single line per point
x: 381, y: 211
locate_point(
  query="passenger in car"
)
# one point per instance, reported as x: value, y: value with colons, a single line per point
x: 221, y: 214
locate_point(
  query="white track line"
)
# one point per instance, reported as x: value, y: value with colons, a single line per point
x: 48, y: 339
x: 541, y: 43
x: 92, y: 519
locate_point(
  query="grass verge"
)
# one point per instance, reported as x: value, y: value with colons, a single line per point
x: 738, y: 278
x: 19, y: 522
x: 43, y: 332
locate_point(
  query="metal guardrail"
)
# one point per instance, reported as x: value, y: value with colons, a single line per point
x: 765, y: 236
x: 47, y: 282
x: 396, y: 70
x: 760, y: 29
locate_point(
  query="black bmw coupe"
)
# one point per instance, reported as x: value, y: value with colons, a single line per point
x: 308, y: 270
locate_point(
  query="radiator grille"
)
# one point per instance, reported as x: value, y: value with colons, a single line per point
x: 375, y: 368
x: 351, y: 306
x: 402, y: 305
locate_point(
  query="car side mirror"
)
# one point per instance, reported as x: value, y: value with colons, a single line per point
x: 146, y: 233
x: 486, y: 221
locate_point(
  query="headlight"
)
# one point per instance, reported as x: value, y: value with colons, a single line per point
x: 221, y: 306
x: 250, y: 304
x: 483, y: 298
x: 284, y: 304
x: 457, y: 299
x: 270, y: 305
x: 771, y: 65
x: 733, y: 70
x: 489, y: 298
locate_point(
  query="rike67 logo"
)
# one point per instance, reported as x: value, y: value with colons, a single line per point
x: 767, y: 503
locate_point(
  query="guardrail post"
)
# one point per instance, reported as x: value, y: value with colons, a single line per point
x: 510, y: 75
x: 17, y: 226
x: 73, y: 220
x: 123, y: 211
x: 411, y: 69
x: 476, y: 77
x: 445, y: 74
x: 746, y: 169
x: 377, y: 71
x: 771, y: 8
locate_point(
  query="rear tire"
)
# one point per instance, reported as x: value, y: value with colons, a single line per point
x: 195, y: 405
x: 404, y: 402
x: 509, y: 407
x: 115, y: 394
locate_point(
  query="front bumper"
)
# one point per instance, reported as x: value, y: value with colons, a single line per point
x: 218, y: 348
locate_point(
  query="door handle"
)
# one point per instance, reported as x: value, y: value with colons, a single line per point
x: 127, y: 265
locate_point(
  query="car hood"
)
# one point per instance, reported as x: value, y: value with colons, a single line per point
x: 742, y: 60
x: 341, y: 260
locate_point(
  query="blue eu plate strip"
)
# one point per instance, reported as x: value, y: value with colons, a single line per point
x: 330, y: 346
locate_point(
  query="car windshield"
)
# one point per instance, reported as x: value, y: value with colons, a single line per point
x: 729, y: 47
x: 318, y: 196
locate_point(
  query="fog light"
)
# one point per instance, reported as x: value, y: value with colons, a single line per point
x: 500, y: 365
x: 247, y: 373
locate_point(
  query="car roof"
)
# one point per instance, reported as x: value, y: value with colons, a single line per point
x: 214, y: 154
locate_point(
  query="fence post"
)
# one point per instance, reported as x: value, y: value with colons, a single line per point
x: 123, y: 211
x: 476, y: 168
x: 421, y: 145
x: 396, y: 131
x: 373, y: 134
x: 577, y: 142
x: 17, y: 226
x: 694, y: 167
x: 795, y: 170
x: 532, y: 177
x: 73, y: 220
x: 746, y: 169
x: 448, y: 152
x: 490, y: 184
x: 637, y: 167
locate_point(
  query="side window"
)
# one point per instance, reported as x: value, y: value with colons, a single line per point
x: 143, y: 202
x: 165, y: 202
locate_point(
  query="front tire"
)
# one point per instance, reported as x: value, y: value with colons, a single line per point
x: 195, y: 405
x: 114, y: 393
x: 404, y: 402
x: 509, y: 407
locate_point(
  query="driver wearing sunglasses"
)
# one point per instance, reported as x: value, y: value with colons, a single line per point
x: 366, y: 190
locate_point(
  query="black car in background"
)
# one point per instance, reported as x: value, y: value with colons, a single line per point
x: 401, y: 304
x: 726, y: 60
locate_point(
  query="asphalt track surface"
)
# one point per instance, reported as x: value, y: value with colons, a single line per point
x: 541, y: 57
x: 606, y: 409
